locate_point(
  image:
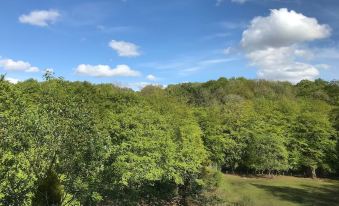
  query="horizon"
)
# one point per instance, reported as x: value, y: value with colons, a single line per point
x: 137, y: 43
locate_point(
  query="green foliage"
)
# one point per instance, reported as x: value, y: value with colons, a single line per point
x: 314, y: 135
x: 266, y: 153
x: 151, y: 149
x: 16, y: 177
x: 82, y: 144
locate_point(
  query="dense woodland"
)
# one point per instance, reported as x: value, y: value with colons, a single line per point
x: 77, y: 143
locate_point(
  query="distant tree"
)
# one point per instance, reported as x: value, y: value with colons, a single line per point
x: 313, y: 89
x: 48, y: 75
x: 2, y: 77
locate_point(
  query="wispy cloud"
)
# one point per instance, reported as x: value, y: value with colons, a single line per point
x: 205, y: 64
x: 239, y: 1
x: 231, y: 25
x: 116, y: 29
x: 215, y: 61
x: 151, y: 77
x: 188, y: 65
x: 125, y: 49
x: 219, y: 2
x: 217, y: 35
x: 227, y: 50
x: 226, y: 29
x: 90, y: 13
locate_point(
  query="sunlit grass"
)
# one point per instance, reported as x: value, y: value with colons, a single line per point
x: 280, y: 190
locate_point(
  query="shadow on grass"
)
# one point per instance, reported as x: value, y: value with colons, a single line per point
x: 307, y: 195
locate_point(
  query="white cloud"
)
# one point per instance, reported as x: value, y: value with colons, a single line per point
x: 272, y: 44
x: 280, y: 64
x: 125, y: 49
x: 12, y: 80
x: 106, y: 71
x: 282, y: 28
x: 40, y: 17
x: 151, y: 77
x: 12, y: 65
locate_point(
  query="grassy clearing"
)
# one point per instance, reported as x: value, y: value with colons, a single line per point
x: 281, y: 190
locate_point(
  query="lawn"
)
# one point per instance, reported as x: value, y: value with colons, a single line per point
x: 281, y: 190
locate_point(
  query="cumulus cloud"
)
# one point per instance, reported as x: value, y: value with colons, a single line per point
x: 279, y: 64
x: 272, y: 44
x: 40, y: 17
x: 106, y: 71
x: 125, y: 49
x: 12, y: 65
x: 282, y: 28
x: 151, y: 77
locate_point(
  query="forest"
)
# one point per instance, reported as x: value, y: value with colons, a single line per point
x: 78, y: 143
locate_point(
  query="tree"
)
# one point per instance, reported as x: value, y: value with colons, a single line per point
x: 314, y: 135
x: 147, y: 149
x: 16, y: 178
x: 267, y: 153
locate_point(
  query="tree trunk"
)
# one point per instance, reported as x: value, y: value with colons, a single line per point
x: 312, y: 173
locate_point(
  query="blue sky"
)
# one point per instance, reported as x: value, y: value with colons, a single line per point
x: 138, y: 42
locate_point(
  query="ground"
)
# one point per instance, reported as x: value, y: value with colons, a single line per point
x: 279, y: 191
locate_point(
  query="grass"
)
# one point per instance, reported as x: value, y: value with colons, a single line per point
x: 279, y: 191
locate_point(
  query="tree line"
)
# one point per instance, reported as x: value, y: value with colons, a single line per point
x: 77, y: 143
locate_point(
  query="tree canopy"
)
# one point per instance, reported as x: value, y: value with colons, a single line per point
x: 77, y: 143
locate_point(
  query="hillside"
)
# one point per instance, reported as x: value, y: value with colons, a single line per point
x: 77, y: 143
